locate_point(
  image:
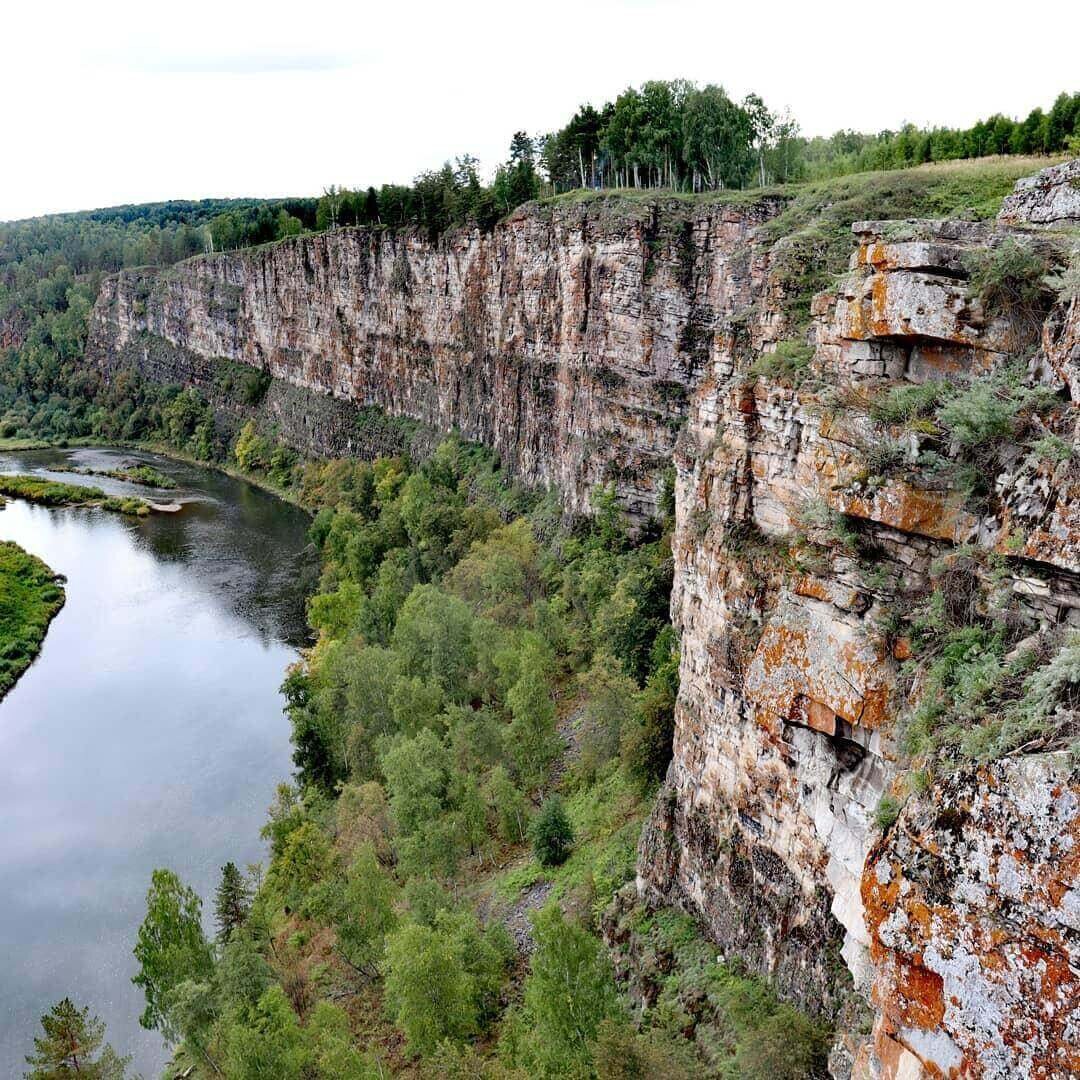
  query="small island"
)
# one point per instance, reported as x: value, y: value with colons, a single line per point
x: 143, y: 475
x: 54, y: 493
x: 30, y: 596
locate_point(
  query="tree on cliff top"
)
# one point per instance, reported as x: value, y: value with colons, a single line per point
x: 72, y: 1045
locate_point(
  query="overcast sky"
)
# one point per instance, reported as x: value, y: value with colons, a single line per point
x: 110, y: 102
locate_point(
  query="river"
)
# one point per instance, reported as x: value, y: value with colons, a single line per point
x: 148, y: 733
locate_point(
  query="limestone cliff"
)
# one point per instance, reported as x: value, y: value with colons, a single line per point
x: 569, y: 339
x: 596, y: 341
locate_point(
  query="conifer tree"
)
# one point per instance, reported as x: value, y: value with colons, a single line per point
x: 72, y: 1045
x: 231, y: 902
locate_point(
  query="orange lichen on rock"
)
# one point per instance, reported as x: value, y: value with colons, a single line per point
x: 810, y: 650
x: 936, y: 514
x: 977, y: 948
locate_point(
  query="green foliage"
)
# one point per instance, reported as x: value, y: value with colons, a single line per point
x: 609, y: 709
x: 711, y: 1018
x: 531, y: 736
x: 510, y: 806
x: 568, y: 994
x: 55, y: 493
x: 550, y: 833
x: 363, y: 912
x: 887, y: 811
x: 909, y: 402
x: 30, y: 596
x: 1011, y: 278
x: 621, y: 1053
x: 788, y: 363
x: 72, y: 1046
x: 787, y: 1046
x: 645, y: 743
x: 232, y: 901
x: 443, y: 981
x: 990, y: 409
x: 305, y: 860
x: 1052, y: 448
x: 170, y: 949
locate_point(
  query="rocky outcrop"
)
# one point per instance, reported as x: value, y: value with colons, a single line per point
x: 1049, y: 198
x: 973, y: 906
x: 569, y: 339
x: 798, y: 535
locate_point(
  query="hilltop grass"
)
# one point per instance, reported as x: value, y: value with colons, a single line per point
x: 811, y: 235
x: 54, y: 493
x: 30, y: 596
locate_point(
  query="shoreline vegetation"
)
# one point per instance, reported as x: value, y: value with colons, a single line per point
x: 31, y: 595
x: 54, y: 493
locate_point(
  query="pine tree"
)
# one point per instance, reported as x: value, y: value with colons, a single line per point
x: 231, y: 902
x: 551, y: 833
x: 72, y: 1044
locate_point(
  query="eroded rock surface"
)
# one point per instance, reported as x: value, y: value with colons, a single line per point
x: 569, y: 339
x: 973, y: 905
x: 1049, y: 198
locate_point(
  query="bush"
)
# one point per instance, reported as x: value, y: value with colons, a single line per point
x: 888, y: 810
x: 906, y: 403
x: 982, y: 413
x: 550, y: 833
x: 1010, y: 279
x: 788, y: 363
x: 787, y: 1046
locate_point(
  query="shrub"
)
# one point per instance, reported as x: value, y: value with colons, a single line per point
x: 1010, y: 278
x: 787, y: 1046
x: 788, y: 363
x: 908, y: 402
x: 985, y: 411
x: 888, y: 810
x: 1052, y: 448
x: 551, y: 833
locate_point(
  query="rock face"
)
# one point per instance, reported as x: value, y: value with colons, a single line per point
x: 974, y: 910
x: 1049, y: 198
x: 791, y: 683
x: 569, y: 339
x: 594, y: 342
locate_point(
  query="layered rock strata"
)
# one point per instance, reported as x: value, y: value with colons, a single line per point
x: 961, y: 924
x: 569, y: 339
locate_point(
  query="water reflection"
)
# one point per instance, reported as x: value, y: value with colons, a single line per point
x: 148, y: 733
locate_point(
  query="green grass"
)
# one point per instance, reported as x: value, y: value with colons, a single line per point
x: 606, y: 817
x: 29, y: 598
x: 54, y: 493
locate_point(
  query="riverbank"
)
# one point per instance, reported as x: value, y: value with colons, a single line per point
x: 30, y: 597
x: 259, y: 480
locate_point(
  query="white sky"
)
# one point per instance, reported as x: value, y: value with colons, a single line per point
x: 112, y: 101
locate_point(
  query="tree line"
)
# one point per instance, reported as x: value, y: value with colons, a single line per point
x: 678, y: 136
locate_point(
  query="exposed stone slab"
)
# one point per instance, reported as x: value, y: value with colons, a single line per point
x: 1049, y: 198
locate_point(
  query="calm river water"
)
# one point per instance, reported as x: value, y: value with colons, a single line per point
x: 149, y: 732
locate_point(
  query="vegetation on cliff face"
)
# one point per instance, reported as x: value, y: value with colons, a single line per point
x: 30, y: 596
